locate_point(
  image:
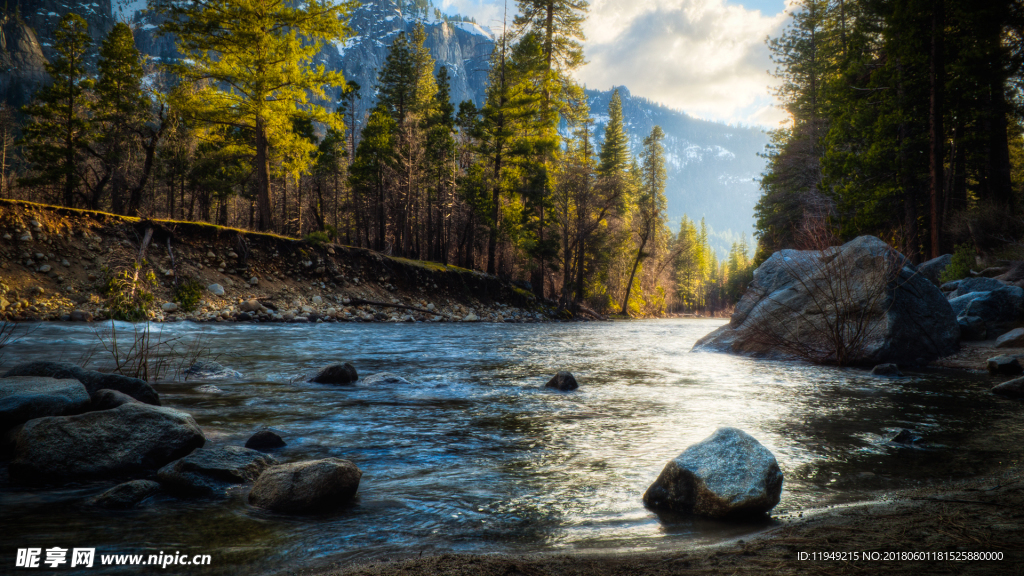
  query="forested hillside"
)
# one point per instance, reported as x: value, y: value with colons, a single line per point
x: 248, y: 115
x: 907, y: 125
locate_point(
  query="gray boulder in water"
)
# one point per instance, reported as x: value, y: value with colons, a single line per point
x: 127, y: 440
x: 126, y: 495
x: 729, y: 474
x: 92, y: 380
x: 206, y: 471
x: 23, y: 398
x: 894, y: 315
x: 306, y: 487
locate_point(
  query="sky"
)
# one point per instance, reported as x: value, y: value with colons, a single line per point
x: 707, y: 58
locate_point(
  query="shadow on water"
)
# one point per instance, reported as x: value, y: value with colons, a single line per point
x: 474, y: 455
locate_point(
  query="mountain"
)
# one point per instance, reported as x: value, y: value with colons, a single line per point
x: 463, y: 47
x: 712, y: 167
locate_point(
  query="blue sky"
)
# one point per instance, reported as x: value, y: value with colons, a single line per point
x: 705, y: 57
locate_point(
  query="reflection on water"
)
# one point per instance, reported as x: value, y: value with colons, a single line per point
x: 476, y: 456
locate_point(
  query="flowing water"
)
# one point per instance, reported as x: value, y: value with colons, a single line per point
x: 474, y: 455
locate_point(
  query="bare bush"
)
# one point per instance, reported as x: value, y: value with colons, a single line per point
x: 142, y: 352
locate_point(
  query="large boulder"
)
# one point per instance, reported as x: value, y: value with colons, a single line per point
x: 208, y: 470
x: 960, y: 303
x: 728, y: 474
x: 1012, y: 339
x: 972, y: 328
x: 107, y: 399
x: 1004, y: 366
x: 92, y: 380
x: 306, y: 487
x: 933, y: 268
x: 126, y: 495
x: 336, y: 374
x: 127, y: 440
x: 887, y: 312
x: 23, y: 398
x: 1011, y: 388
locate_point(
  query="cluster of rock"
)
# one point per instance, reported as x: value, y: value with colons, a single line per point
x: 60, y: 423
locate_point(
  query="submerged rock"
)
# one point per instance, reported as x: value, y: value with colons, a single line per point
x: 336, y: 374
x: 886, y: 370
x: 126, y: 495
x: 306, y: 487
x: 728, y: 474
x: 131, y: 439
x: 784, y: 314
x: 92, y: 380
x: 206, y: 370
x: 563, y: 381
x: 386, y: 378
x: 905, y: 437
x: 207, y: 470
x: 23, y: 398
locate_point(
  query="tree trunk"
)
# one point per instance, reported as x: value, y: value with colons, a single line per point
x: 636, y: 263
x: 263, y: 179
x: 936, y: 132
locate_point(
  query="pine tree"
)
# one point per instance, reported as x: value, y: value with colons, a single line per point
x: 123, y: 119
x: 370, y: 171
x: 56, y: 137
x: 651, y: 202
x: 615, y: 148
x: 248, y: 64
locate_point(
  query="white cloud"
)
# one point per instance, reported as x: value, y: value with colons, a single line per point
x: 701, y: 56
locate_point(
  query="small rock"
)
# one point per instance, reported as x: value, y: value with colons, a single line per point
x: 1010, y: 389
x: 44, y: 268
x: 1012, y: 339
x: 207, y: 370
x: 316, y: 300
x: 306, y: 487
x: 65, y: 263
x: 336, y: 374
x: 1004, y: 366
x: 216, y: 289
x: 563, y: 381
x: 251, y: 305
x: 127, y: 495
x: 109, y: 399
x: 471, y: 317
x: 385, y: 378
x: 208, y: 389
x: 905, y: 437
x: 729, y: 474
x: 254, y: 281
x: 210, y: 254
x: 26, y: 237
x: 265, y: 440
x: 81, y: 316
x: 243, y: 317
x: 169, y: 307
x: 886, y: 370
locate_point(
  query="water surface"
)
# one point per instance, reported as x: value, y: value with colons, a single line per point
x: 474, y: 455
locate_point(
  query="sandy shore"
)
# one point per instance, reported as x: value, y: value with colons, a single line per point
x: 984, y: 514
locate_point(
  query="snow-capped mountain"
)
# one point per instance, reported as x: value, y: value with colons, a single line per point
x: 712, y: 167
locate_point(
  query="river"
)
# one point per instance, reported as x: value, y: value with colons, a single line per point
x: 474, y: 455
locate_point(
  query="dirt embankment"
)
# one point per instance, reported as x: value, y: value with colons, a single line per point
x: 54, y: 262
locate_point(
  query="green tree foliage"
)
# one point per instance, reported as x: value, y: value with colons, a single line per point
x: 248, y: 65
x: 55, y: 139
x: 901, y: 121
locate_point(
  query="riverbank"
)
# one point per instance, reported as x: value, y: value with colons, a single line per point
x: 54, y: 263
x: 984, y: 514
